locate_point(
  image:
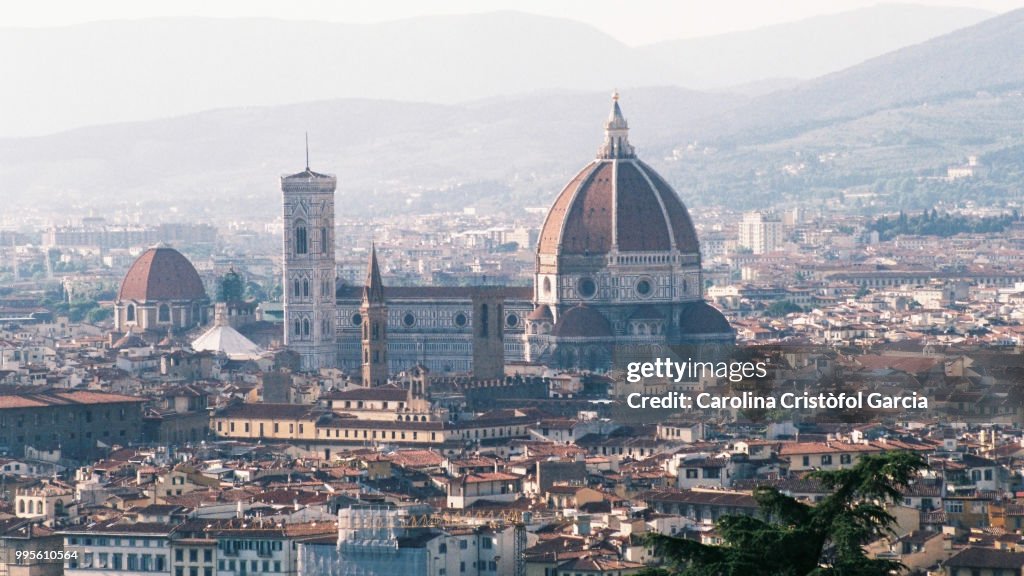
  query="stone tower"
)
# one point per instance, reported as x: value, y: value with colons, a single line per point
x: 309, y: 269
x: 374, y: 314
x: 488, y: 334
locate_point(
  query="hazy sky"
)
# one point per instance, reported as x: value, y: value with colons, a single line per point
x: 633, y: 21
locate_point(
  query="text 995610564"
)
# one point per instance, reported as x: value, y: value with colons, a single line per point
x: 45, y: 555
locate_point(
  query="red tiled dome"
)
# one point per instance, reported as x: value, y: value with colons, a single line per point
x: 540, y: 313
x: 582, y: 322
x: 162, y: 274
x: 617, y: 201
x: 632, y: 197
x: 703, y: 318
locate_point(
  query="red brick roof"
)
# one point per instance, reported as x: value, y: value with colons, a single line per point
x: 702, y: 318
x: 542, y: 312
x: 490, y: 477
x: 387, y: 393
x: 162, y: 274
x: 61, y: 398
x: 986, y: 558
x: 621, y: 202
x: 582, y: 322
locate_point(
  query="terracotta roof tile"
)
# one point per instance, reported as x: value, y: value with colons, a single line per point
x: 582, y: 322
x: 162, y: 274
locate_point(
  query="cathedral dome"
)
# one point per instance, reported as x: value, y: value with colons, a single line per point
x: 617, y: 202
x: 582, y: 322
x: 162, y: 274
x: 540, y: 314
x: 703, y: 318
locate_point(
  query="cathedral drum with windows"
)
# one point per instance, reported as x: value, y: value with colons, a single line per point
x: 161, y: 291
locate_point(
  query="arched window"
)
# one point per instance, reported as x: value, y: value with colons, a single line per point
x: 298, y: 328
x: 483, y: 320
x: 376, y: 331
x: 301, y: 243
x: 305, y: 288
x: 324, y: 240
x: 305, y: 327
x: 21, y: 506
x: 130, y: 314
x: 164, y: 314
x: 296, y: 288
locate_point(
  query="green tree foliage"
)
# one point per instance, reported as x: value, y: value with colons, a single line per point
x: 231, y: 288
x: 97, y: 315
x: 792, y: 538
x: 931, y: 223
x: 81, y: 308
x: 781, y: 308
x: 254, y: 291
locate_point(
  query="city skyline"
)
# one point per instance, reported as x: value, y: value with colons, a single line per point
x: 531, y: 300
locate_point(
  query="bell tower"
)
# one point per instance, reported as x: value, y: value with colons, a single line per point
x: 309, y: 267
x: 488, y: 334
x: 374, y: 312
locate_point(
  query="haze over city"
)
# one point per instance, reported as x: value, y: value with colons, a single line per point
x: 512, y: 288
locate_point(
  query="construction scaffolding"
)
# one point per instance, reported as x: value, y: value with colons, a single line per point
x: 368, y: 542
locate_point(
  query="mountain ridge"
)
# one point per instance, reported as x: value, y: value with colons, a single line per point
x: 152, y: 68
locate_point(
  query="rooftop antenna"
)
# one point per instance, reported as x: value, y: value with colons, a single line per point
x: 307, y: 150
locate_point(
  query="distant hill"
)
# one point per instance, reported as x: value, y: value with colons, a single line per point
x: 880, y: 125
x: 890, y: 125
x: 106, y: 72
x: 807, y: 48
x: 389, y: 156
x: 137, y: 70
x: 985, y: 56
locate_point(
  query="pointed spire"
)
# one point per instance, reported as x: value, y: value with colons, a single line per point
x: 373, y: 290
x: 615, y: 119
x: 616, y: 134
x: 307, y: 151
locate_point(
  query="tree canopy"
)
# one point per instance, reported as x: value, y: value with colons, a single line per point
x: 231, y: 288
x: 780, y: 308
x: 792, y: 538
x: 931, y: 223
